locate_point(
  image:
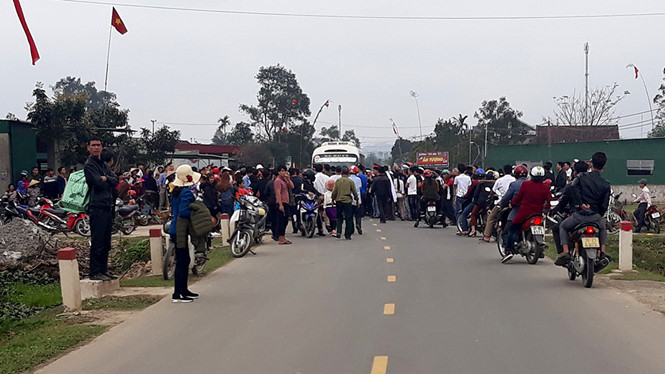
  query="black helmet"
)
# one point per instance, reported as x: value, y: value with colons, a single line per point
x: 309, y: 174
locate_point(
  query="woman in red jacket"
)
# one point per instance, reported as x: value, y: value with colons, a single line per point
x: 531, y: 198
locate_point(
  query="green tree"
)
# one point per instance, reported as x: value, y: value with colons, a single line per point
x: 156, y: 147
x: 220, y: 134
x: 659, y: 130
x: 76, y: 110
x: 281, y: 102
x: 502, y: 122
x: 241, y: 134
x: 402, y: 150
x: 332, y: 133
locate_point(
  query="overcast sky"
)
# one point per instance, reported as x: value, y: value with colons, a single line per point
x: 184, y: 68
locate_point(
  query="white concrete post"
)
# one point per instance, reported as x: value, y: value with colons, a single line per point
x: 225, y: 228
x: 626, y: 246
x: 70, y: 285
x: 156, y: 249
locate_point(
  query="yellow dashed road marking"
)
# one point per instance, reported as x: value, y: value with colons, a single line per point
x: 383, y: 238
x: 380, y: 365
x: 389, y: 309
x: 375, y: 224
x: 392, y: 278
x: 390, y: 259
x: 378, y: 230
x: 387, y: 248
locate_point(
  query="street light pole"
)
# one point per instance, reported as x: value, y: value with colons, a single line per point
x: 415, y: 96
x: 153, y: 126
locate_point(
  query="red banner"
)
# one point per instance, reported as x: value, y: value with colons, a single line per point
x: 432, y: 159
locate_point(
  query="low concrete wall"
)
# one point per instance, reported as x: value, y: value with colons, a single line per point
x: 657, y: 190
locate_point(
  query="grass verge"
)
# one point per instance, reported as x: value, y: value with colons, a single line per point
x: 30, y: 342
x: 218, y: 257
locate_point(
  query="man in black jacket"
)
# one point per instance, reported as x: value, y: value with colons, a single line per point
x: 101, y: 185
x: 591, y: 193
x: 382, y: 190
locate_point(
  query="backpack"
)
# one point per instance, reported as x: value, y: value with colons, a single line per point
x: 76, y: 197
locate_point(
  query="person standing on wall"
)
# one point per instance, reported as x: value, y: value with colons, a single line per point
x: 101, y: 183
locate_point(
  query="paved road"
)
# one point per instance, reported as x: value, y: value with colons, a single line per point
x: 319, y: 306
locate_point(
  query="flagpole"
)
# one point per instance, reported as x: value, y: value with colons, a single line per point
x: 649, y: 100
x: 108, y: 55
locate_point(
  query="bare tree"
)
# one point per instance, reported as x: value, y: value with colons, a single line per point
x: 599, y: 111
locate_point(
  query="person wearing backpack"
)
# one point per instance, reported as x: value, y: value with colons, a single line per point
x: 101, y: 183
x: 181, y: 199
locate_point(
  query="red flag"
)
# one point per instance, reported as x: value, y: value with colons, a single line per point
x: 117, y: 22
x: 33, y: 47
x: 636, y: 71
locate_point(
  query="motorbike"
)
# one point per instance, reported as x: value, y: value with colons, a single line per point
x: 124, y: 220
x: 248, y: 225
x: 431, y: 213
x: 585, y: 256
x: 198, y: 259
x: 308, y: 213
x: 651, y: 218
x: 147, y: 211
x: 531, y: 237
x: 8, y: 211
x: 615, y: 214
x: 481, y: 218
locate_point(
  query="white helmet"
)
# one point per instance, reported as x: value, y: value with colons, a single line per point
x: 537, y: 171
x: 259, y: 166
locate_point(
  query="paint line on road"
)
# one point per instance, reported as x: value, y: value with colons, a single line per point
x: 392, y: 278
x: 387, y: 248
x: 375, y: 224
x: 383, y: 238
x: 380, y: 365
x: 389, y: 309
x: 378, y: 230
x: 390, y: 259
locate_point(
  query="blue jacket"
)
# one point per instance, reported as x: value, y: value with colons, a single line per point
x: 363, y: 181
x: 180, y: 207
x: 513, y: 189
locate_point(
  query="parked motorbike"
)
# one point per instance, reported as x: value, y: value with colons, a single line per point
x: 531, y: 237
x: 147, y: 211
x: 197, y: 259
x: 8, y: 211
x: 613, y: 216
x: 585, y: 255
x: 308, y: 213
x: 124, y: 220
x: 651, y: 218
x: 248, y: 224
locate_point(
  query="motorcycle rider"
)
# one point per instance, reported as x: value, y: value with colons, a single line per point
x: 565, y: 205
x: 476, y: 177
x: 447, y: 210
x: 591, y: 193
x: 644, y: 201
x: 462, y: 183
x: 430, y: 192
x: 308, y: 185
x: 481, y: 199
x: 520, y: 177
x: 500, y: 188
x: 531, y: 199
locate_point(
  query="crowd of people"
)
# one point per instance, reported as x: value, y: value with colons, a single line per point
x: 345, y: 195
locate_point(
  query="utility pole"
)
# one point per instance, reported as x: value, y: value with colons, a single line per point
x: 485, y: 153
x: 586, y: 84
x: 339, y: 108
x: 470, y: 133
x: 415, y: 96
x: 153, y: 126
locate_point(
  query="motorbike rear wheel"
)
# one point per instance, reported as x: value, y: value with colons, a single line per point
x: 168, y: 267
x: 143, y: 220
x: 587, y: 273
x: 499, y: 242
x: 127, y: 228
x: 655, y: 226
x: 533, y: 255
x: 240, y: 243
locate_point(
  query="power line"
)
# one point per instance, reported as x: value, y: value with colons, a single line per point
x: 369, y: 17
